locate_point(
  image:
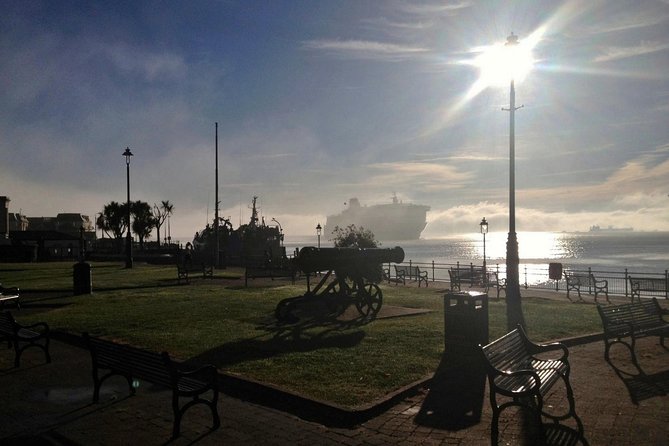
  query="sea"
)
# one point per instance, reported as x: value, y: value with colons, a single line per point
x: 615, y: 251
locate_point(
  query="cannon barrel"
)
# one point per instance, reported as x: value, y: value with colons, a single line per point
x: 311, y: 259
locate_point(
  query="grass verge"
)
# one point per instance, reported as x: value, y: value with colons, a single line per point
x: 219, y: 321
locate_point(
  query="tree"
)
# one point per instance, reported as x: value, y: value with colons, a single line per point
x: 143, y: 220
x: 161, y: 214
x: 354, y: 237
x: 112, y: 221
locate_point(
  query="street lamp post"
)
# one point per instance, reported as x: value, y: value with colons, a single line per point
x: 128, y: 243
x: 514, y: 311
x: 484, y: 231
x: 319, y: 229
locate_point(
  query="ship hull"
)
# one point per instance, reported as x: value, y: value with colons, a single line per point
x: 388, y: 222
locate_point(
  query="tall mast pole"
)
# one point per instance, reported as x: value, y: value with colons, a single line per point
x: 514, y: 312
x: 217, y: 247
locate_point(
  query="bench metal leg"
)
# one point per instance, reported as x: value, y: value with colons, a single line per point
x: 179, y: 411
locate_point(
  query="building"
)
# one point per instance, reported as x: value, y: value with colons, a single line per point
x: 42, y: 237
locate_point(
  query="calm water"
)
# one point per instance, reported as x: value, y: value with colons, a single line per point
x: 636, y: 251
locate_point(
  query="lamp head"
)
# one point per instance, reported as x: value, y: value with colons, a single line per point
x: 512, y: 39
x: 484, y: 226
x: 319, y: 228
x: 127, y: 155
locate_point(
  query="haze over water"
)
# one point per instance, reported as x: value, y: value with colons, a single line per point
x: 615, y: 251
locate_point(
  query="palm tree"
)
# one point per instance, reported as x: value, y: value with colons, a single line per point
x: 161, y: 214
x: 113, y: 220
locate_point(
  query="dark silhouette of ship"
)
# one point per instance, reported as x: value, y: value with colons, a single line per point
x: 392, y: 221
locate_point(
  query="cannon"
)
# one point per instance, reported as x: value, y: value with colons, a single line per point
x: 349, y: 277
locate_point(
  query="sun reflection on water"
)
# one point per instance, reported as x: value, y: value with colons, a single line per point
x: 531, y: 246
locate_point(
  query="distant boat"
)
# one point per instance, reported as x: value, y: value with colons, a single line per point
x: 597, y: 228
x: 392, y: 221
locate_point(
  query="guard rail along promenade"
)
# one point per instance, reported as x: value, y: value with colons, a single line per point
x: 632, y: 284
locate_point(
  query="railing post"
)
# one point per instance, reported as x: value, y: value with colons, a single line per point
x: 432, y: 270
x: 626, y: 282
x: 525, y: 268
x: 589, y: 280
x: 666, y: 284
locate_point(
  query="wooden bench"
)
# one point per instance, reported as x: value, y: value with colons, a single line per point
x: 514, y: 371
x: 407, y: 272
x: 22, y: 337
x: 647, y: 284
x: 185, y: 271
x: 9, y: 295
x: 133, y: 363
x: 473, y: 275
x: 633, y: 320
x: 495, y: 282
x: 576, y: 281
x: 261, y: 267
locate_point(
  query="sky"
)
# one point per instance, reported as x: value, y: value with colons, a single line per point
x: 320, y: 101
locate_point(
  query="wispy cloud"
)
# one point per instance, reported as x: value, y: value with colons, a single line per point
x: 151, y: 66
x: 624, y: 52
x: 384, y: 23
x: 642, y: 18
x: 365, y: 49
x: 430, y: 9
x: 426, y: 176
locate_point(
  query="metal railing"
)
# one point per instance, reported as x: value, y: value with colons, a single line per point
x: 537, y: 276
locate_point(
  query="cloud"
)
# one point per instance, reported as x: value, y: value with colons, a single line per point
x: 385, y: 24
x: 624, y: 52
x: 365, y: 49
x: 436, y: 8
x: 150, y: 65
x: 420, y: 175
x: 637, y: 183
x: 634, y: 19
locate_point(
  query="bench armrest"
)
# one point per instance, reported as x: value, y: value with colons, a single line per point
x: 43, y: 325
x: 207, y: 373
x: 534, y: 348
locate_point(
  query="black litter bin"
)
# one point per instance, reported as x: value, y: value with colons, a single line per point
x: 83, y: 281
x: 465, y: 321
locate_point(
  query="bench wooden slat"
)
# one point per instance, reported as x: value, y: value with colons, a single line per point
x: 633, y: 320
x: 9, y: 295
x: 648, y: 284
x: 410, y: 272
x: 577, y: 280
x: 515, y: 372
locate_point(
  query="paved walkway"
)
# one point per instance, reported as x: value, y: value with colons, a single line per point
x: 43, y: 404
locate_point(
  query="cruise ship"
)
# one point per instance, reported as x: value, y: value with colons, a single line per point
x: 388, y: 222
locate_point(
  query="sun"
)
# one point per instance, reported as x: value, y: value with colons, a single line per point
x: 500, y: 63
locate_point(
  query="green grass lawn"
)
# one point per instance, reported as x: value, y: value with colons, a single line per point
x: 221, y: 322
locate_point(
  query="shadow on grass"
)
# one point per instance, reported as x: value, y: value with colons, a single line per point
x: 307, y: 334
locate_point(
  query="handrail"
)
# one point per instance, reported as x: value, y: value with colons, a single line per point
x: 535, y: 275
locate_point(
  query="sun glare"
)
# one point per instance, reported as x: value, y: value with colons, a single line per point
x: 500, y: 63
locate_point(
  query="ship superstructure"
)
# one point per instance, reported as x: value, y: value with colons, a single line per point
x: 392, y: 221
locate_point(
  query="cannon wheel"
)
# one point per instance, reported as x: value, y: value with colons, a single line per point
x: 369, y: 300
x: 339, y: 296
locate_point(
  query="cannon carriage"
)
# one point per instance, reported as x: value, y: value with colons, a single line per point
x: 348, y: 276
